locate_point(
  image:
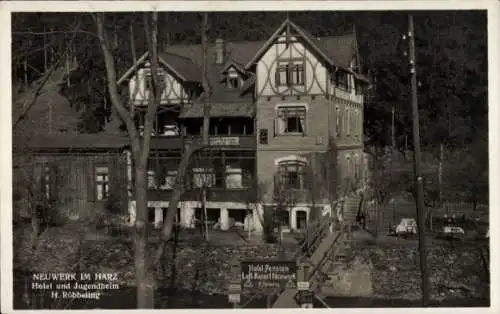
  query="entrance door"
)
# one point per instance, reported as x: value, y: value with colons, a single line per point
x: 301, y: 219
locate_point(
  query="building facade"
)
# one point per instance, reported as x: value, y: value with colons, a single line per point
x: 286, y: 128
x: 56, y: 168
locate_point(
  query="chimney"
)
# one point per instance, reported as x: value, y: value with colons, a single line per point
x: 219, y: 51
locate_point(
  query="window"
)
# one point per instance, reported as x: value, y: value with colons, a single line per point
x: 102, y: 183
x: 282, y: 74
x: 341, y: 79
x: 357, y: 125
x: 348, y: 122
x: 298, y: 74
x: 301, y: 219
x: 338, y: 126
x: 151, y: 180
x: 291, y: 120
x: 169, y: 180
x: 353, y: 122
x: 203, y: 177
x: 233, y: 82
x: 290, y: 175
x: 290, y: 73
x: 357, y: 169
x: 47, y: 183
x: 234, y: 178
x: 358, y: 87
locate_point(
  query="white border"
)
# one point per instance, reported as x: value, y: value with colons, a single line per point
x: 75, y: 6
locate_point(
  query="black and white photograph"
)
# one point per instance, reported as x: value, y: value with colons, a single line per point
x: 213, y: 157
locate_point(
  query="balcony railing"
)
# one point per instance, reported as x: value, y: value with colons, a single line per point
x: 222, y: 141
x: 292, y: 196
x: 241, y: 195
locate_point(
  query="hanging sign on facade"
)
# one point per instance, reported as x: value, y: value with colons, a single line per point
x: 224, y: 141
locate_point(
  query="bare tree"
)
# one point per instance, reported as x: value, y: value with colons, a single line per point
x: 190, y: 148
x: 140, y: 146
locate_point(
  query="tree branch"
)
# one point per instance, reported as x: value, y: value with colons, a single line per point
x: 112, y: 85
x: 151, y: 30
x: 190, y: 149
x: 43, y: 81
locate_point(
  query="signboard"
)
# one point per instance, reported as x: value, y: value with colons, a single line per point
x: 303, y: 285
x: 235, y: 287
x: 304, y: 297
x: 234, y: 298
x: 224, y: 141
x: 266, y: 275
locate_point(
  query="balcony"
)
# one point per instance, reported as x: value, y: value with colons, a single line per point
x: 228, y: 142
x: 243, y: 195
x: 292, y: 196
x: 166, y: 142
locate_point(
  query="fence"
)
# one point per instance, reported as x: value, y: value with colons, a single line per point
x: 406, y: 208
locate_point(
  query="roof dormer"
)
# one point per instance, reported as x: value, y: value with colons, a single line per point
x: 233, y: 75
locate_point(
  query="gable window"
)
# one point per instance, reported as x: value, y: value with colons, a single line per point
x: 298, y: 74
x: 291, y: 120
x: 341, y: 79
x: 282, y: 74
x: 233, y: 82
x: 102, y: 183
x: 148, y: 81
x: 290, y: 73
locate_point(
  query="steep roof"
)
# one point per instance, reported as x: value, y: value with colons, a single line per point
x: 51, y: 111
x: 77, y: 141
x: 186, y: 60
x: 51, y: 122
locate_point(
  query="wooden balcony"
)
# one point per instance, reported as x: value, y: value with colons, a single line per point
x: 227, y: 142
x: 243, y: 195
x: 166, y: 142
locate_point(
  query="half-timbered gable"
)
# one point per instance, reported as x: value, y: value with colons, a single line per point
x: 175, y: 75
x: 287, y: 64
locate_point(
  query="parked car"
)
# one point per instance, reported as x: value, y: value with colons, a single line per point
x: 407, y: 227
x: 452, y: 232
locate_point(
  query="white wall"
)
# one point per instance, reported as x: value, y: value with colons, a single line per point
x: 173, y: 91
x: 315, y: 77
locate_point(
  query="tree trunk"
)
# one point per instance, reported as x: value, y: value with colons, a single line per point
x: 440, y: 172
x: 144, y: 279
x: 140, y: 149
x: 190, y: 149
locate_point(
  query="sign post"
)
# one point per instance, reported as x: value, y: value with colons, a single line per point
x: 234, y: 288
x: 304, y: 296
